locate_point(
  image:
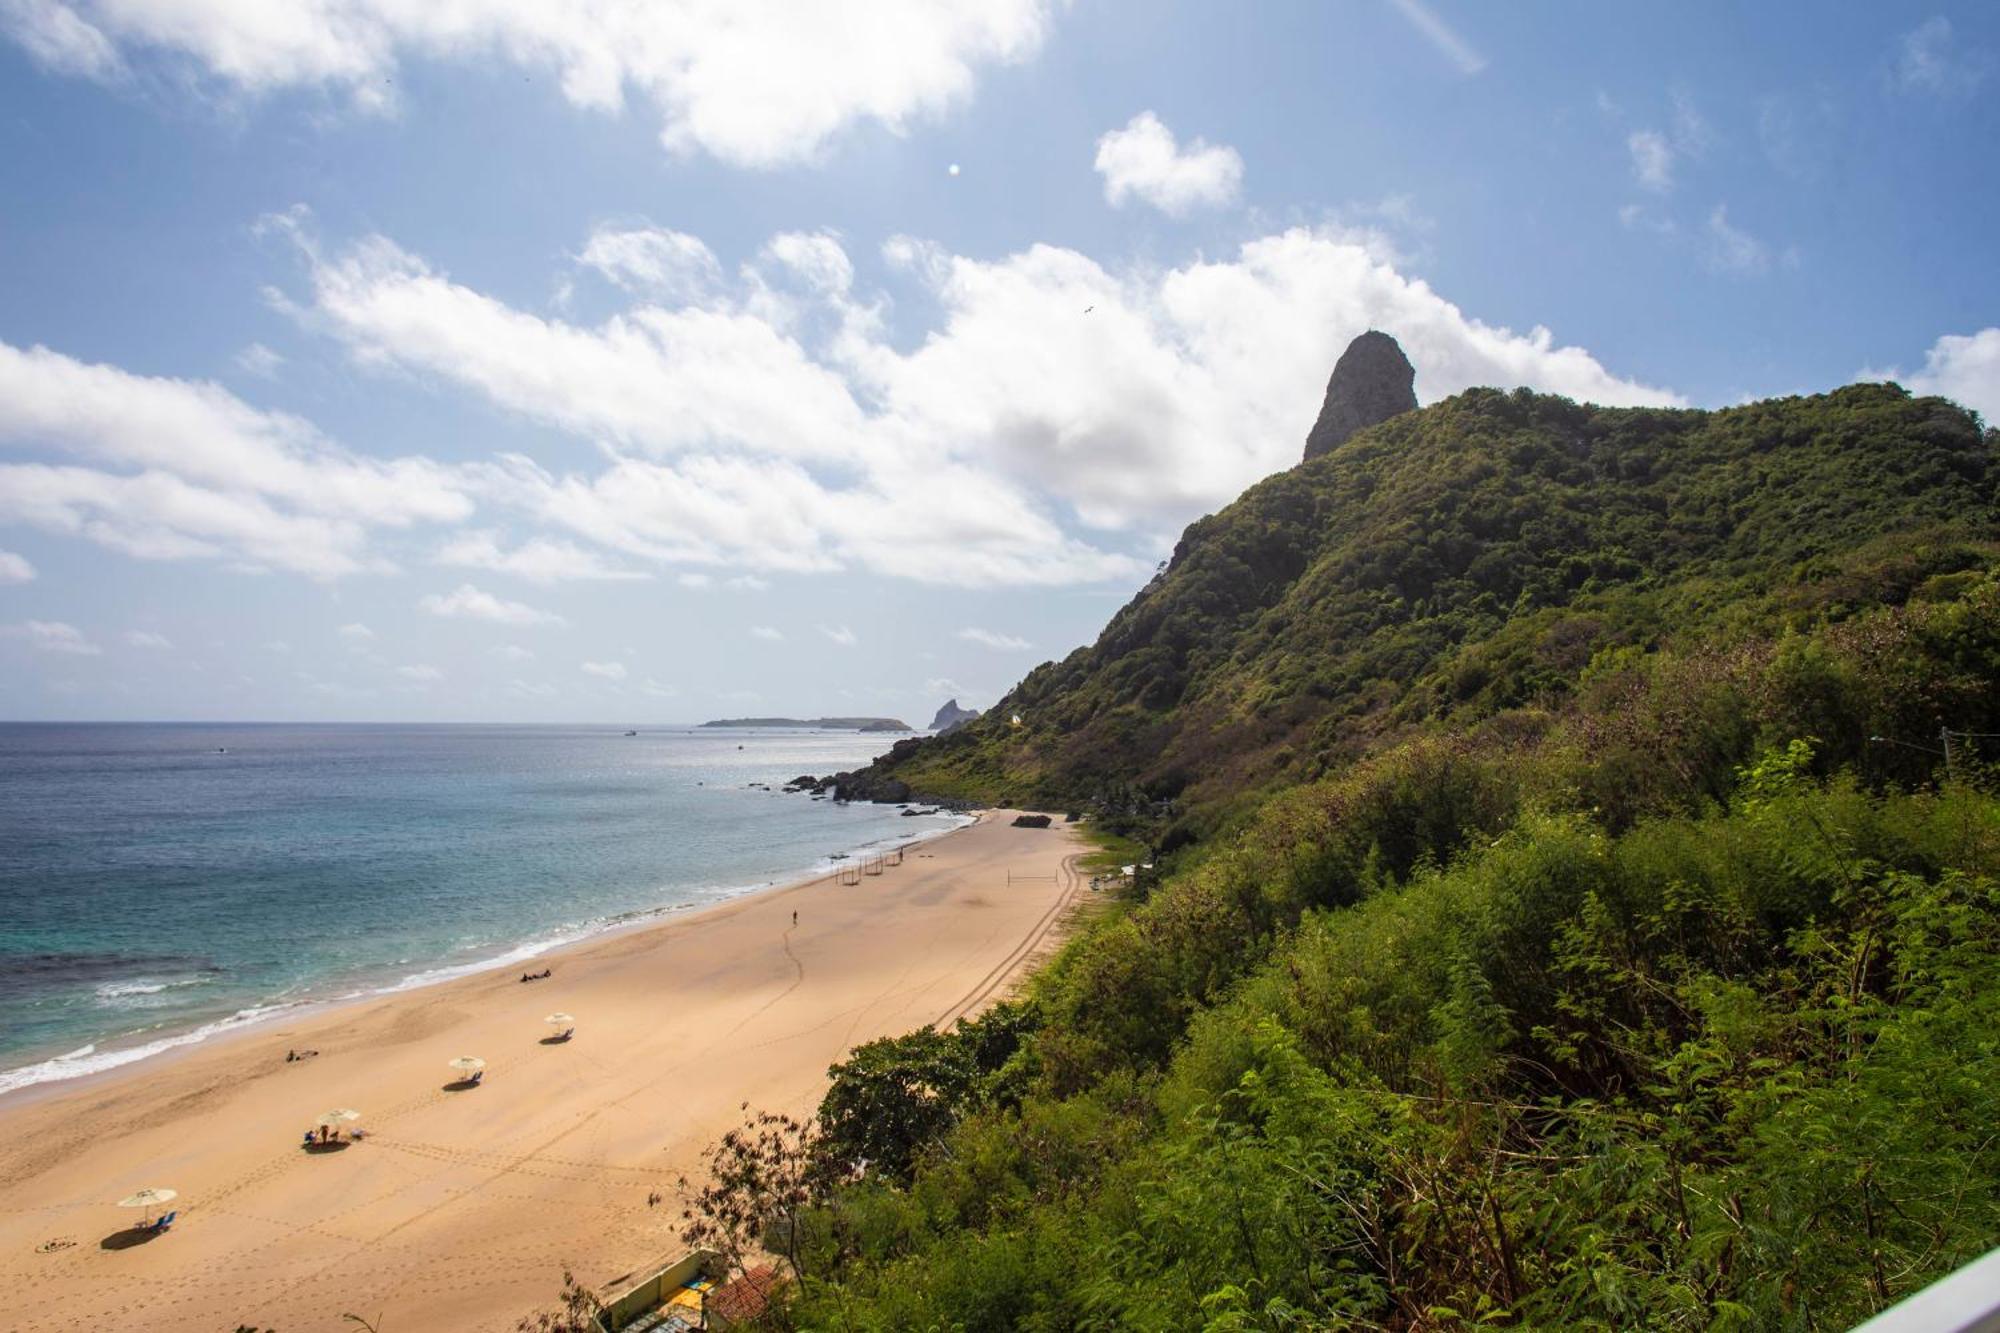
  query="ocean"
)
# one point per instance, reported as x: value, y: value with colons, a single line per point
x: 160, y: 884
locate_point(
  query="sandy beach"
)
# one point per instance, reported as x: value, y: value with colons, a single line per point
x: 461, y: 1207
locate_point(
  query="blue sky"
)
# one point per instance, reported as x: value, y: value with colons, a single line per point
x: 649, y: 362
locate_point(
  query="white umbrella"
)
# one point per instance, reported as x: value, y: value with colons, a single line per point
x: 146, y: 1198
x: 344, y: 1116
x: 560, y: 1020
x: 468, y: 1064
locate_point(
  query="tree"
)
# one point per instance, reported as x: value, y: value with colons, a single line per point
x: 763, y: 1177
x: 893, y: 1097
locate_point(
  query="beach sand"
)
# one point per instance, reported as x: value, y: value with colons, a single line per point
x: 461, y: 1208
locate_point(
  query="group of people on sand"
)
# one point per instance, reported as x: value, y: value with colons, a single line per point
x: 327, y: 1134
x: 294, y: 1056
x: 542, y: 975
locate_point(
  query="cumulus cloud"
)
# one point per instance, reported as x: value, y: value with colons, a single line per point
x: 1142, y: 161
x: 170, y: 469
x: 1930, y: 59
x: 467, y: 602
x: 757, y: 83
x: 420, y: 673
x: 1733, y: 250
x: 355, y: 632
x: 1657, y: 154
x: 15, y: 568
x: 605, y: 670
x: 259, y: 360
x: 1652, y: 159
x: 1962, y: 367
x: 539, y: 559
x: 52, y: 636
x: 993, y: 639
x: 767, y: 633
x: 1019, y: 443
x: 142, y: 638
x: 839, y: 634
x: 668, y: 264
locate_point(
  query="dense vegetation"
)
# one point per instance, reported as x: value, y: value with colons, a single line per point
x: 1470, y: 558
x: 1586, y: 928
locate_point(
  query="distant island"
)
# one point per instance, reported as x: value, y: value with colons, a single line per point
x: 823, y: 723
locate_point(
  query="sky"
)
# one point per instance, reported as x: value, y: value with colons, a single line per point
x: 643, y: 361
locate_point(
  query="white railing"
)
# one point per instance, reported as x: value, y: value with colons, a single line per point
x: 1968, y: 1301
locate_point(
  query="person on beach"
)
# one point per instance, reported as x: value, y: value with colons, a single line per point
x: 795, y: 916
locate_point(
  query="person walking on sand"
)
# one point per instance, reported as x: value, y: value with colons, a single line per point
x: 795, y: 916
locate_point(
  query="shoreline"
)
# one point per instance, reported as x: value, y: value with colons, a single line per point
x: 462, y: 1206
x: 209, y: 1034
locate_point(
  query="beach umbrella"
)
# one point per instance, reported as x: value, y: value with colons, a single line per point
x: 468, y: 1064
x: 344, y: 1116
x: 560, y: 1020
x: 146, y: 1198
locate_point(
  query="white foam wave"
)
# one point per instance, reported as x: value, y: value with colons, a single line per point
x: 89, y: 1060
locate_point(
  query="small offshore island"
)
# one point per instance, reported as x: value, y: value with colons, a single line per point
x: 816, y: 723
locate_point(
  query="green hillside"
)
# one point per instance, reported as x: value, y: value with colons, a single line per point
x: 1469, y: 558
x: 1579, y: 907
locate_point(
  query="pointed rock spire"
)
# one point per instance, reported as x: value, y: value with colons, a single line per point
x: 1371, y: 382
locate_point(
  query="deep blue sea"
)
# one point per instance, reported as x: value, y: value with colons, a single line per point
x: 161, y: 883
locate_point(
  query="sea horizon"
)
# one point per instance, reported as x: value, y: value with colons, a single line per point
x: 155, y: 899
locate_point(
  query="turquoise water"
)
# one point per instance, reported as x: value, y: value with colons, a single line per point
x: 161, y: 883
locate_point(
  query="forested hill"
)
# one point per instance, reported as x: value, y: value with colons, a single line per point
x: 1470, y: 557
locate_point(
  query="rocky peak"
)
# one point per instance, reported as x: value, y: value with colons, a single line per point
x: 1371, y: 382
x: 951, y: 715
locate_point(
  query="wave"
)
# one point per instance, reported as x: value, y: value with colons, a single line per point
x: 89, y: 1059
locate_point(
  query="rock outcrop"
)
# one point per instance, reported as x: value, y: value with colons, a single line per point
x: 1371, y: 382
x: 951, y: 715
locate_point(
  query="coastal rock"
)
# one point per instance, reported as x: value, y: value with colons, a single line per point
x: 1371, y: 382
x: 951, y: 715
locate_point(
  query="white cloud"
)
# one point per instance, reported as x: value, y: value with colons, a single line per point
x: 469, y: 603
x: 1930, y: 59
x: 605, y: 670
x: 141, y: 638
x: 52, y: 636
x: 992, y: 639
x: 698, y: 582
x: 669, y: 265
x: 1142, y: 161
x: 1962, y: 367
x: 199, y: 472
x: 539, y: 559
x: 1442, y: 36
x: 749, y: 583
x: 15, y: 568
x: 659, y: 689
x: 839, y: 634
x: 767, y: 633
x: 1733, y: 250
x: 757, y: 83
x: 420, y: 672
x: 259, y: 360
x: 356, y: 633
x: 1656, y: 155
x: 1652, y: 159
x: 791, y: 434
x: 59, y: 38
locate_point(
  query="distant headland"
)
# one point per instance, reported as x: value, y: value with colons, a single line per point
x: 822, y: 723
